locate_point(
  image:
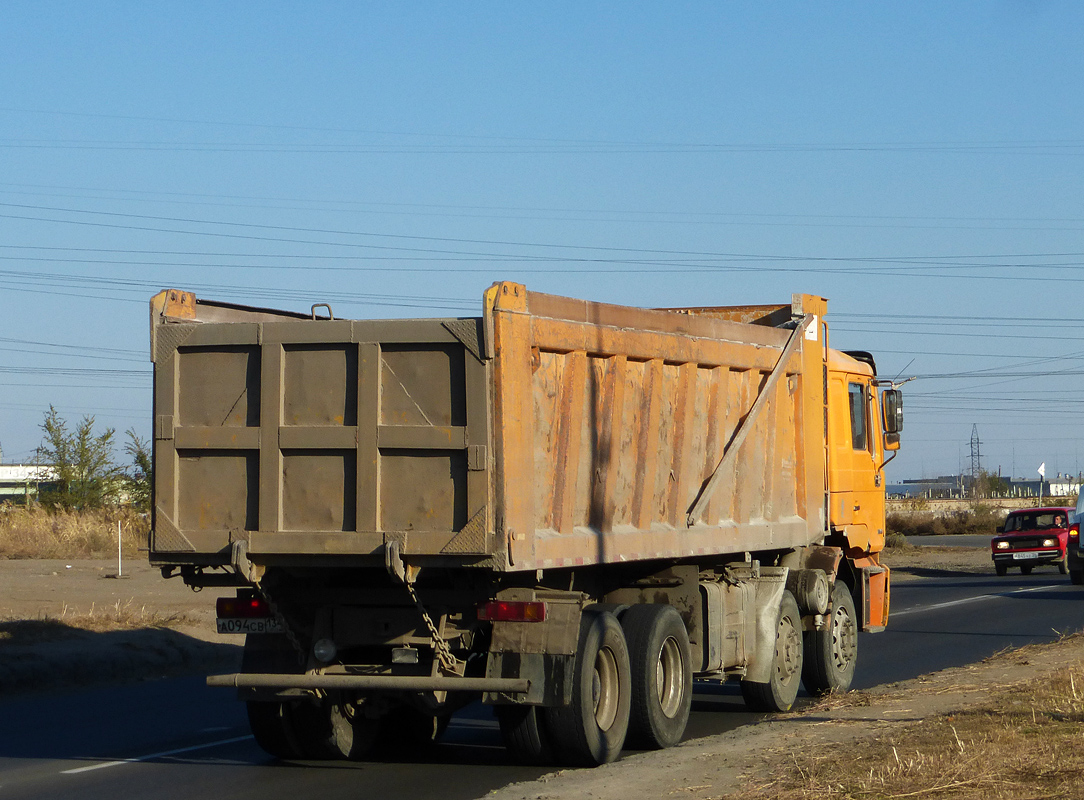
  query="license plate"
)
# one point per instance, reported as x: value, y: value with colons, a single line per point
x: 256, y: 625
x: 1024, y: 556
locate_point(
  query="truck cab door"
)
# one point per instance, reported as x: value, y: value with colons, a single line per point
x: 855, y: 482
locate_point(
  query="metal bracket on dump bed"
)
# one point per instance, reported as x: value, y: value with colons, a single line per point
x: 241, y: 563
x: 407, y: 575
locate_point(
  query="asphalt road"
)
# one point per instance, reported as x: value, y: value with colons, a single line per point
x: 179, y: 739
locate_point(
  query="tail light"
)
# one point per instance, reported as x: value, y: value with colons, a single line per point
x: 248, y: 607
x: 1074, y: 531
x: 513, y: 611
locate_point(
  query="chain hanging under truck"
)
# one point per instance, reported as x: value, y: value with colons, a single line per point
x: 448, y: 662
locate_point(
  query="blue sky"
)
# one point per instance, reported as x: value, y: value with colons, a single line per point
x: 920, y: 165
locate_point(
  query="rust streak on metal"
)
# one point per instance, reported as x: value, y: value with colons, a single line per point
x: 609, y: 451
x: 681, y: 468
x: 647, y: 450
x: 716, y: 426
x: 567, y: 449
x: 761, y: 400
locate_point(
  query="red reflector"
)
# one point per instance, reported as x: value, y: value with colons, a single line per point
x: 243, y: 607
x: 513, y: 611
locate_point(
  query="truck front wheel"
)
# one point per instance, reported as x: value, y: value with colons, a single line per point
x: 591, y: 729
x: 779, y: 693
x: 831, y: 655
x: 662, y: 675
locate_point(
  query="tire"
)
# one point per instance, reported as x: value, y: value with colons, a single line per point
x: 1063, y: 565
x: 273, y: 723
x: 591, y: 730
x: 1026, y: 569
x: 662, y: 676
x: 830, y: 656
x: 1077, y: 576
x: 1001, y: 570
x: 779, y: 693
x: 352, y: 735
x: 299, y: 729
x: 315, y: 731
x: 273, y: 729
x: 410, y: 728
x: 524, y: 733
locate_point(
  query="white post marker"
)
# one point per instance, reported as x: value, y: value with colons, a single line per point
x: 120, y: 571
x: 1042, y: 474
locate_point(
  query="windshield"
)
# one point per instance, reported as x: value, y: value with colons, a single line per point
x: 1035, y: 521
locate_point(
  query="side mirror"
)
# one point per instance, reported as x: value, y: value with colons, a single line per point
x: 892, y: 405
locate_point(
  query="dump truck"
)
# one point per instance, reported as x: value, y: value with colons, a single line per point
x: 567, y: 510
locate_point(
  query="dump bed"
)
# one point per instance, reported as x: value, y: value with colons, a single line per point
x: 549, y: 432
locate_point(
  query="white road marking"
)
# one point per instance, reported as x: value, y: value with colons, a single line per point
x: 153, y: 756
x: 951, y: 603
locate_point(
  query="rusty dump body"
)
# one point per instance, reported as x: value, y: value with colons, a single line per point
x: 433, y: 509
x: 549, y: 433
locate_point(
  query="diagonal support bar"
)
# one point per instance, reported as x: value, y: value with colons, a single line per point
x: 747, y: 424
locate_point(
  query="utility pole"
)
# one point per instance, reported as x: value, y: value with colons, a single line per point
x: 976, y: 460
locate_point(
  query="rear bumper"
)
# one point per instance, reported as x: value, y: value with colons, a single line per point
x: 370, y: 683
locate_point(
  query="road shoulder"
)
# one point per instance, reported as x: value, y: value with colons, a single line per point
x: 739, y: 762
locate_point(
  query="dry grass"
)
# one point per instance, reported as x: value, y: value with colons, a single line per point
x: 121, y: 616
x: 1023, y: 743
x: 979, y: 518
x: 898, y: 541
x: 34, y: 532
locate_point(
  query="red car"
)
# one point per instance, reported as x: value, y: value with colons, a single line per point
x: 1030, y: 537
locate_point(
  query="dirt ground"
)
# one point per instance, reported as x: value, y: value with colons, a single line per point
x: 33, y: 589
x: 726, y: 765
x: 76, y: 622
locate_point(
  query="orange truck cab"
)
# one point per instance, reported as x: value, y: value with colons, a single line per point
x: 863, y: 428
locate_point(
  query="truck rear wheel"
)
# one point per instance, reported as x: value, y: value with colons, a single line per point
x: 299, y: 729
x: 1076, y: 576
x: 591, y: 729
x: 351, y: 735
x: 779, y: 693
x: 273, y: 729
x: 830, y: 656
x: 662, y: 675
x: 524, y: 734
x: 321, y: 730
x: 408, y: 727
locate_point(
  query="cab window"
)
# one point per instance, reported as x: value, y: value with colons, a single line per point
x: 857, y: 400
